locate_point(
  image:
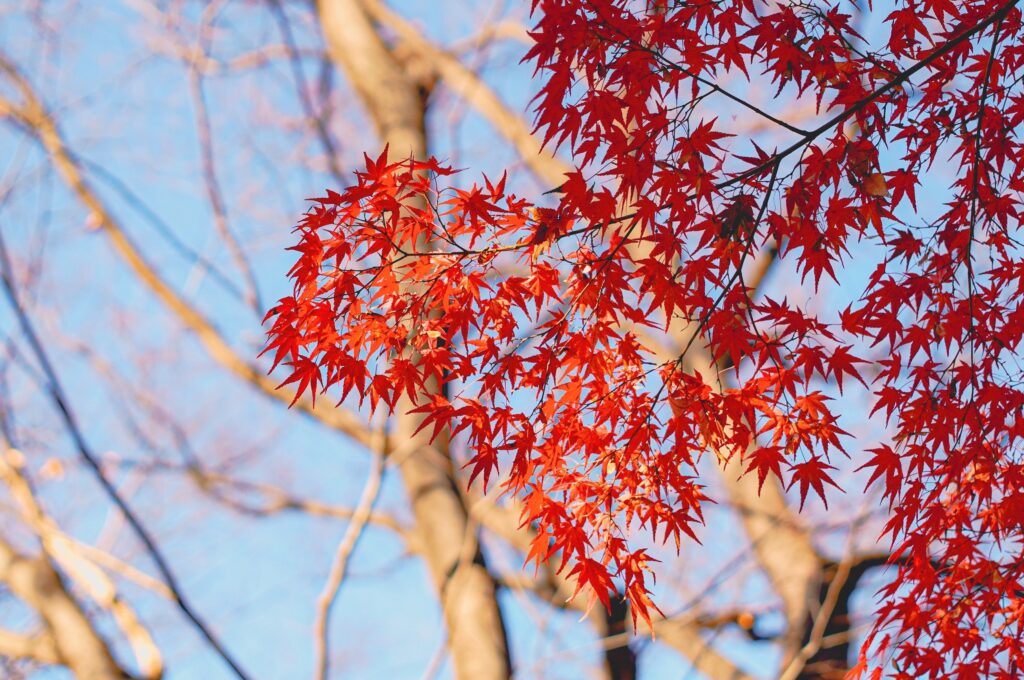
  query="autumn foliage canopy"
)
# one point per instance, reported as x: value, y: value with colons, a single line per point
x: 528, y: 329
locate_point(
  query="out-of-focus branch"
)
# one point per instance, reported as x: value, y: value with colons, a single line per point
x: 389, y: 93
x: 41, y: 647
x: 75, y: 642
x: 682, y: 633
x: 685, y: 637
x: 159, y: 225
x: 797, y: 664
x: 339, y: 568
x: 214, y: 193
x: 466, y: 84
x: 828, y: 633
x: 276, y: 500
x: 77, y: 567
x: 258, y: 499
x: 57, y: 395
x: 199, y: 58
x: 504, y: 522
x: 317, y: 119
x: 33, y: 116
x: 493, y: 32
x: 118, y: 566
x: 394, y: 96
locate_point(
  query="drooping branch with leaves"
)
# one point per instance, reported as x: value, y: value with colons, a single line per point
x: 522, y: 327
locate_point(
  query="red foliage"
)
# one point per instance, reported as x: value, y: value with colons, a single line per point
x: 539, y: 319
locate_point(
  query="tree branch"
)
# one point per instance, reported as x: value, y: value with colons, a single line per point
x: 466, y: 84
x: 60, y: 401
x: 76, y: 643
x: 77, y: 567
x: 395, y: 101
x: 339, y: 568
x: 40, y: 647
x: 33, y: 116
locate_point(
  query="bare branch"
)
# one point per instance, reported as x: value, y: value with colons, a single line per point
x: 353, y: 533
x: 682, y: 633
x: 60, y: 401
x: 279, y: 500
x: 493, y: 32
x: 76, y: 643
x: 685, y: 637
x: 77, y: 567
x: 317, y: 119
x: 40, y: 647
x: 33, y: 116
x: 214, y: 193
x: 466, y: 84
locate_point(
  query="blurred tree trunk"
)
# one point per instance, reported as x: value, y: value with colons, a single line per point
x: 394, y: 96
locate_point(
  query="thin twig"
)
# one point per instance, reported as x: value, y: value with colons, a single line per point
x: 214, y: 193
x: 33, y: 117
x: 339, y: 568
x: 57, y: 395
x: 66, y: 553
x: 294, y: 60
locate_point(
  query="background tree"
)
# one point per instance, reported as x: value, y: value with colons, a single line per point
x: 157, y: 151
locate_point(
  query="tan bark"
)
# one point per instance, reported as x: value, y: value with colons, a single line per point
x: 75, y: 641
x: 39, y: 648
x: 476, y: 634
x: 782, y: 547
x: 685, y: 637
x: 79, y: 569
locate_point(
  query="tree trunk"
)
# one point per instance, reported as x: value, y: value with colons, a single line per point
x: 476, y: 633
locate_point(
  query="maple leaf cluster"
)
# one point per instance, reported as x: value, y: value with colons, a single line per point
x: 530, y: 332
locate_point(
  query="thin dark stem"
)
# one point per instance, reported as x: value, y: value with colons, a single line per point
x: 856, y: 107
x: 284, y: 26
x: 58, y: 396
x: 158, y: 223
x: 969, y: 257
